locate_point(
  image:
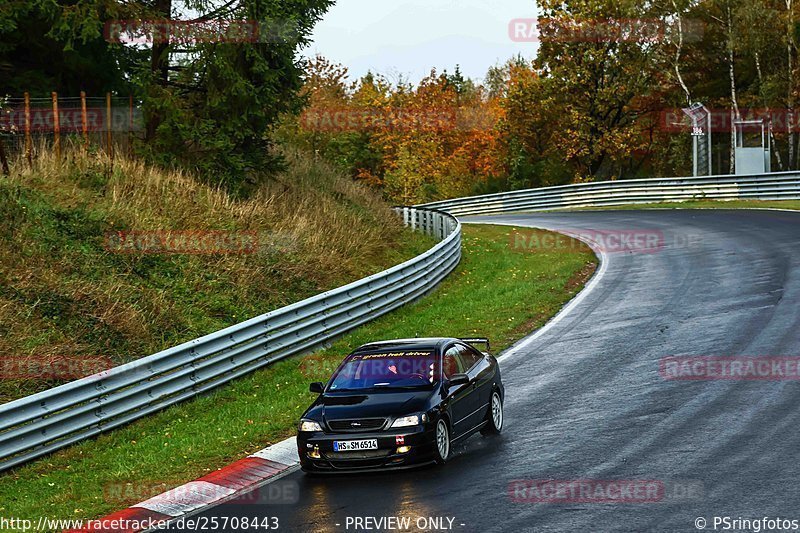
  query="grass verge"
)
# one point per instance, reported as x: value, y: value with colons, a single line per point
x: 702, y: 204
x: 496, y: 291
x: 67, y: 297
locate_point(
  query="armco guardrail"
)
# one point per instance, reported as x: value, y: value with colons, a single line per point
x: 775, y: 186
x: 41, y: 423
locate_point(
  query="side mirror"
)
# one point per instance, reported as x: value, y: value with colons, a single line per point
x: 317, y: 387
x: 459, y: 379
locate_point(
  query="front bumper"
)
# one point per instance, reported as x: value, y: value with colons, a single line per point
x: 420, y: 440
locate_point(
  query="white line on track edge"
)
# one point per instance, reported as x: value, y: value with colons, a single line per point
x: 520, y: 345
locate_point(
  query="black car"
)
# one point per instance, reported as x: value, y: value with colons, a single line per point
x: 401, y: 403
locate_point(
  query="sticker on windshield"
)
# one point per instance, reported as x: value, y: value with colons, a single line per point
x: 390, y: 355
x: 390, y: 370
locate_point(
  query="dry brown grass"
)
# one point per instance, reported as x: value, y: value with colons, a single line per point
x: 62, y: 292
x: 311, y: 205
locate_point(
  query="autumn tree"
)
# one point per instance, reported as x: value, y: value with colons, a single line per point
x: 602, y: 71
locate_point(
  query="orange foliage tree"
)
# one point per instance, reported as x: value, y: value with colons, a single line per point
x: 436, y: 140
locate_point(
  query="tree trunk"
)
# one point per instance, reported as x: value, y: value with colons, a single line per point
x: 790, y: 82
x: 772, y: 143
x: 678, y: 51
x: 732, y: 75
x: 159, y: 63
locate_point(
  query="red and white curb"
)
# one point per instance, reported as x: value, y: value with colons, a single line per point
x: 223, y: 484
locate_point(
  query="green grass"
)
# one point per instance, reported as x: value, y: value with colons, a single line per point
x: 64, y: 296
x: 496, y: 291
x: 703, y: 204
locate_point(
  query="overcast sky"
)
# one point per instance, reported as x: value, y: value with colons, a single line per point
x: 409, y: 37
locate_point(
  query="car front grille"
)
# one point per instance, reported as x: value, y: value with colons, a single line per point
x: 357, y: 425
x: 356, y: 455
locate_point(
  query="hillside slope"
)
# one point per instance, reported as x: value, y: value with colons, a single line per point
x: 75, y: 296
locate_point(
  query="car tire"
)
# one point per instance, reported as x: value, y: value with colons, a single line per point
x: 443, y: 442
x: 494, y: 422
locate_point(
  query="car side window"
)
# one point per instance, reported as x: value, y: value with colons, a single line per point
x: 469, y: 357
x: 452, y: 363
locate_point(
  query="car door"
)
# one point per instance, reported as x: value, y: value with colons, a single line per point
x: 480, y: 380
x: 459, y: 397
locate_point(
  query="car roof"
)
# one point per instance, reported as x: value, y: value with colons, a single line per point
x: 426, y: 343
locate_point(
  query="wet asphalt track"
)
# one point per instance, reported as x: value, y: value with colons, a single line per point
x: 585, y: 399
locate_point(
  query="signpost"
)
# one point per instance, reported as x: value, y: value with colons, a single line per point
x: 701, y: 138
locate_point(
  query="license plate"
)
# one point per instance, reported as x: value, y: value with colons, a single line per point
x: 354, y: 445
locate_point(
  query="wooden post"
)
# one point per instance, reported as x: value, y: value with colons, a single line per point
x: 3, y: 158
x: 130, y: 126
x: 28, y: 140
x: 108, y: 126
x: 56, y: 126
x: 84, y: 120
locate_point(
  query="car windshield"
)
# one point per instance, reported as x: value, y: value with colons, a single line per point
x: 385, y: 370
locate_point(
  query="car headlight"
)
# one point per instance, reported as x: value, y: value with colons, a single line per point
x: 309, y: 426
x: 406, y: 421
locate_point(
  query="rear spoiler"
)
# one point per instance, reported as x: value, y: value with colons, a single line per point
x: 478, y: 341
